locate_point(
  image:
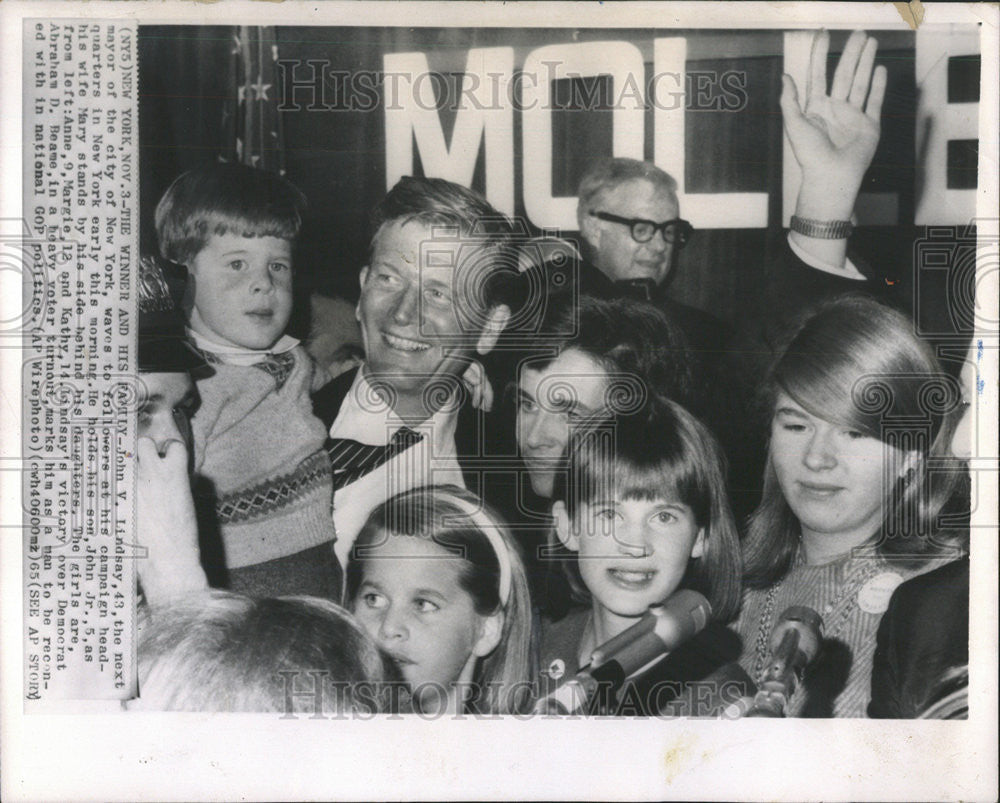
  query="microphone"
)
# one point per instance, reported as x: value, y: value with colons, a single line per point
x: 795, y: 642
x: 661, y: 629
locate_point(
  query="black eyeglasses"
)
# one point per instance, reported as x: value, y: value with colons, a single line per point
x: 676, y: 232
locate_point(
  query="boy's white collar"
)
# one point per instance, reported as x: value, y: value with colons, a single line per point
x: 236, y: 355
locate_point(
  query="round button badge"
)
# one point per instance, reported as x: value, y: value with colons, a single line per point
x: 874, y: 595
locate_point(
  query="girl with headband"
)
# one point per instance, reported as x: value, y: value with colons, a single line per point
x: 437, y: 581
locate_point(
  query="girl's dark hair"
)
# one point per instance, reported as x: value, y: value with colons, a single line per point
x: 857, y: 363
x: 644, y: 352
x: 441, y: 514
x: 660, y: 452
x: 225, y: 198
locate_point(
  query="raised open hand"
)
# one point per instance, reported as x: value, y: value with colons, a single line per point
x: 835, y: 136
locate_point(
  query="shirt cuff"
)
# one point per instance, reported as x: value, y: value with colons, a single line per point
x: 846, y: 271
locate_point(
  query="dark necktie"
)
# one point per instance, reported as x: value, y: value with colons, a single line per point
x: 351, y: 460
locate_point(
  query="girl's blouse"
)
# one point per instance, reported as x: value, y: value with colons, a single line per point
x: 850, y: 594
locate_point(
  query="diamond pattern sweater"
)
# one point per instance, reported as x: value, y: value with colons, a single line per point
x: 260, y: 447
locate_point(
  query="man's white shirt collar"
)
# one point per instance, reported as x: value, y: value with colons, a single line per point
x: 366, y: 417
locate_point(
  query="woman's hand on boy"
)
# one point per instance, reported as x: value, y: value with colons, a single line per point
x: 479, y: 387
x: 166, y: 524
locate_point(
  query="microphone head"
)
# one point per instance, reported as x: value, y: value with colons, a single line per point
x: 683, y: 615
x: 809, y: 625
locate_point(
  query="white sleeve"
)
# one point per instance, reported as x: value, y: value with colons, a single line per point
x: 847, y: 271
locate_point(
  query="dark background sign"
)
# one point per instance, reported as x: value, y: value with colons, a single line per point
x: 316, y: 102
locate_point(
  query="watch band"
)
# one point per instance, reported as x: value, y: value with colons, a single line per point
x: 822, y: 229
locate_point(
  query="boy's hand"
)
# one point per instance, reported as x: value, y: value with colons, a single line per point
x: 166, y: 524
x: 835, y: 136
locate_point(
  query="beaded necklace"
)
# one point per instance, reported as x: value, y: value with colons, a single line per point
x: 835, y: 613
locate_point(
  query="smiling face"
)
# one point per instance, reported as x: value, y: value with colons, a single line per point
x: 411, y: 602
x: 633, y: 553
x: 570, y: 388
x: 166, y: 403
x: 613, y: 250
x: 835, y: 480
x: 242, y: 290
x: 409, y: 312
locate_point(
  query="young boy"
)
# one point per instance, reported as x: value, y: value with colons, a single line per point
x: 256, y: 442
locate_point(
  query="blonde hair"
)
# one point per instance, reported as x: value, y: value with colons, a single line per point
x: 458, y: 521
x: 221, y: 651
x: 858, y: 363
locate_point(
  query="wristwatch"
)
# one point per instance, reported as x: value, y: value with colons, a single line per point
x: 822, y: 229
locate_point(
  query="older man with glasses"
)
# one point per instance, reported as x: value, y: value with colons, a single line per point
x: 631, y: 231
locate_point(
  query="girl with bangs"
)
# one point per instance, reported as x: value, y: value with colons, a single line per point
x: 643, y: 512
x: 857, y: 407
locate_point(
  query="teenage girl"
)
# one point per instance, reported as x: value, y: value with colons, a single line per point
x: 858, y: 405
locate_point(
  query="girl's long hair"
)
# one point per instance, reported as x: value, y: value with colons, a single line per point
x: 858, y: 363
x: 440, y: 513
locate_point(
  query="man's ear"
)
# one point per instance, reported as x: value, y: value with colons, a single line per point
x: 564, y: 527
x: 362, y: 278
x: 698, y: 548
x: 495, y: 323
x: 590, y: 229
x: 490, y: 636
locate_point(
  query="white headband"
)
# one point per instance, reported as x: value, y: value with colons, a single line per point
x: 491, y: 530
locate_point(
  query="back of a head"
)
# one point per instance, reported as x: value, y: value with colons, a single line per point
x: 226, y: 652
x: 220, y: 198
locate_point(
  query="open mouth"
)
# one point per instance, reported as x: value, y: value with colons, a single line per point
x: 404, y: 344
x: 631, y: 579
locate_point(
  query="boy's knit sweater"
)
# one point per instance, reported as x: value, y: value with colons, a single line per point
x: 258, y: 443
